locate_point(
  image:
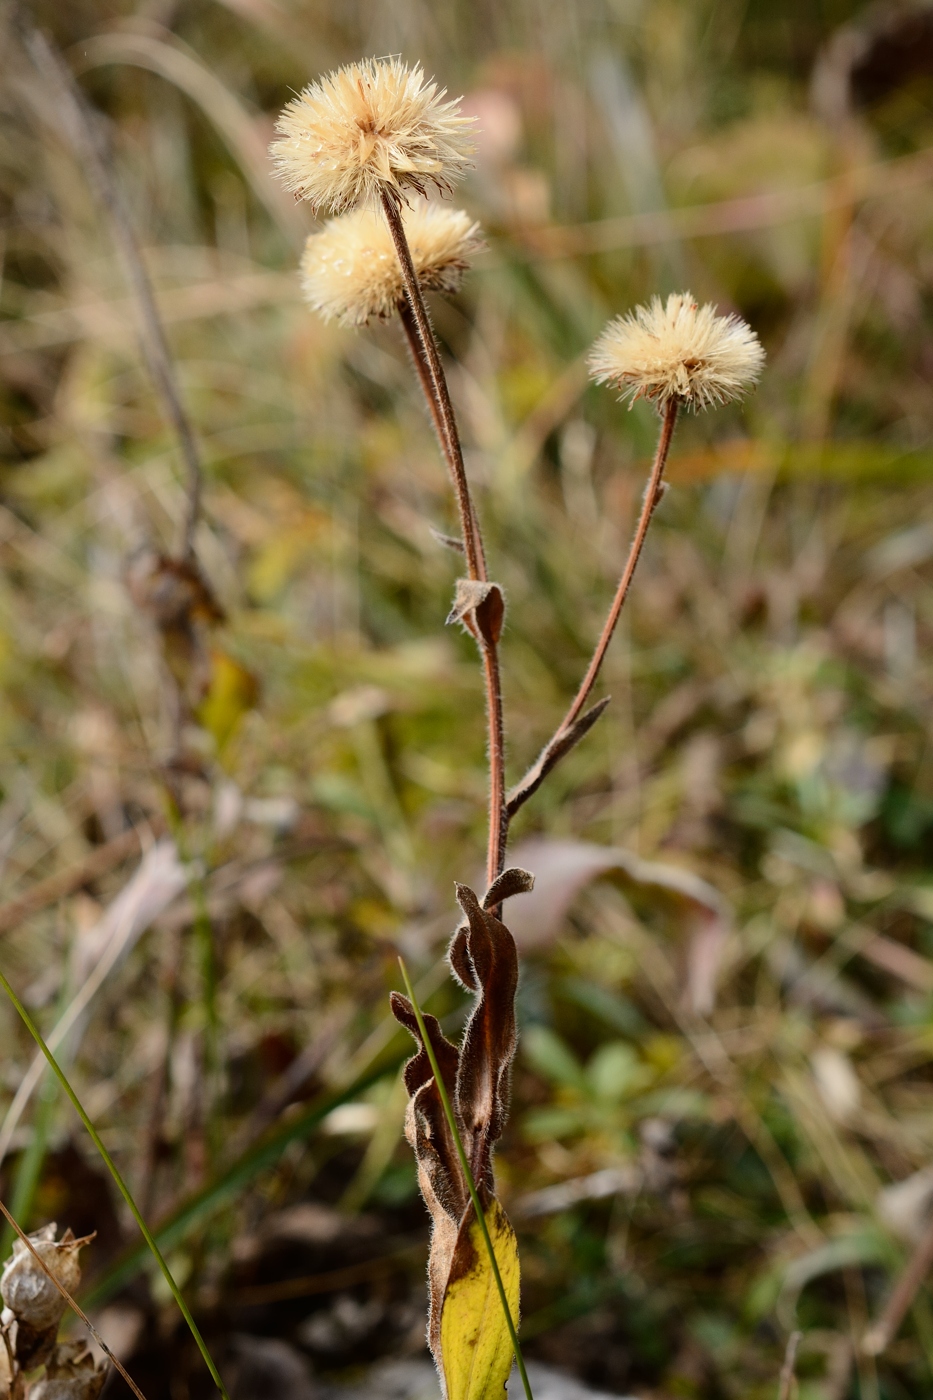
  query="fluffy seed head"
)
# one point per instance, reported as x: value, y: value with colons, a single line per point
x: 350, y: 271
x: 677, y: 350
x: 370, y: 127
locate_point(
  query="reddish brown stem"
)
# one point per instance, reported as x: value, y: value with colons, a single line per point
x: 441, y: 407
x: 498, y: 820
x: 557, y: 744
x: 430, y: 371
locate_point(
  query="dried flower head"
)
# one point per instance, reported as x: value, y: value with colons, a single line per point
x: 31, y: 1296
x: 369, y: 128
x: 71, y: 1373
x: 677, y: 350
x: 350, y: 271
x: 27, y: 1290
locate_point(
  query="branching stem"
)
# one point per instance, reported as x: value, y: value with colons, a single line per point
x: 574, y: 719
x: 430, y: 371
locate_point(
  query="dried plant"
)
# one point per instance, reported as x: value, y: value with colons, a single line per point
x: 677, y: 351
x: 370, y: 129
x: 350, y: 272
x: 31, y: 1295
x: 364, y: 133
x: 37, y: 1283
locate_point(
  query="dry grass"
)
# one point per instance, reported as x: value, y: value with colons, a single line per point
x: 768, y: 728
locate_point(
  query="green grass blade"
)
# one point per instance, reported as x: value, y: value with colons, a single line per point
x: 119, y: 1182
x: 468, y: 1175
x: 225, y: 1187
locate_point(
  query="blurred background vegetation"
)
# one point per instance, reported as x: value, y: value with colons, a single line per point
x: 722, y: 1125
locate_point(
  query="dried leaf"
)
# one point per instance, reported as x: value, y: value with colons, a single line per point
x: 448, y: 541
x: 70, y: 1374
x: 480, y: 607
x: 180, y: 602
x: 551, y: 755
x: 563, y: 868
x: 232, y: 692
x: 440, y: 1177
x: 511, y: 882
x: 484, y: 959
x: 475, y: 1342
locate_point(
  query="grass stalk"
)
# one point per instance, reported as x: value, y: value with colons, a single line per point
x: 118, y: 1181
x: 468, y: 1177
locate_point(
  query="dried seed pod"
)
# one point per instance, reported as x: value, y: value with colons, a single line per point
x: 70, y: 1374
x: 32, y: 1297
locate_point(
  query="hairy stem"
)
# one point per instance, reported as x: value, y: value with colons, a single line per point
x: 430, y: 371
x: 498, y: 818
x: 558, y: 744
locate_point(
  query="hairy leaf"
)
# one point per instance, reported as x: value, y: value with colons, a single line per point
x: 483, y: 958
x: 475, y: 1343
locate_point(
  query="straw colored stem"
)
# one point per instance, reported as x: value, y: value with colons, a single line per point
x: 468, y: 1177
x: 879, y: 1336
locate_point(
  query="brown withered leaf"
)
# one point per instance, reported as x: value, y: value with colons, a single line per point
x: 480, y: 607
x: 483, y: 957
x: 440, y: 1176
x: 179, y: 600
x: 71, y: 1373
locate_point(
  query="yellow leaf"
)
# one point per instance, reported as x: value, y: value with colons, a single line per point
x: 476, y: 1350
x: 233, y: 691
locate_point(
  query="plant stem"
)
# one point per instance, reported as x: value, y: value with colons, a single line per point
x: 118, y: 1180
x: 468, y: 1177
x: 439, y: 397
x: 430, y: 371
x: 652, y: 496
x: 498, y: 818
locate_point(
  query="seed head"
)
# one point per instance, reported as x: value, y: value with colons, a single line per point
x: 28, y: 1291
x: 677, y: 350
x: 369, y: 128
x: 350, y: 271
